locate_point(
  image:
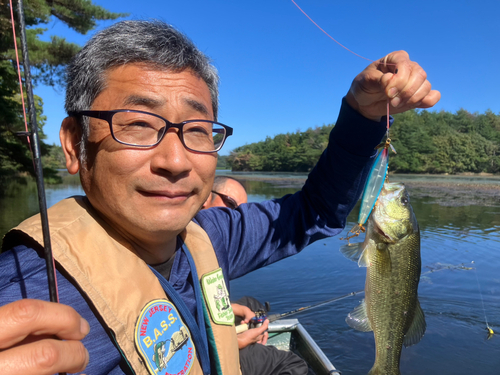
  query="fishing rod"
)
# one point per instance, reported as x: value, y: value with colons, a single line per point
x: 275, y: 317
x: 34, y: 141
x: 36, y: 154
x: 260, y: 315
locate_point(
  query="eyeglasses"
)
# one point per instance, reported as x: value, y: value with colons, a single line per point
x: 144, y: 129
x: 228, y: 201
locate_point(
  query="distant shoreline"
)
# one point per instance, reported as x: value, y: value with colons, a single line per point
x: 426, y: 179
x: 446, y: 190
x: 456, y: 194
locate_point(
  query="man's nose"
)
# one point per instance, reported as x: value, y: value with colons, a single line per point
x: 171, y: 155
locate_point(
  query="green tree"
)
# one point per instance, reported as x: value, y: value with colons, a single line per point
x: 290, y: 152
x: 47, y: 59
x: 426, y: 142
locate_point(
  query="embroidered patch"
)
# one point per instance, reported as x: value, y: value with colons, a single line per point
x: 217, y: 297
x: 163, y: 340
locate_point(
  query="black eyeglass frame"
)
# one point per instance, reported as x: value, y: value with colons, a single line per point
x: 108, y: 116
x: 226, y: 198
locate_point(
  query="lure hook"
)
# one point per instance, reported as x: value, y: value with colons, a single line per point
x: 356, y: 231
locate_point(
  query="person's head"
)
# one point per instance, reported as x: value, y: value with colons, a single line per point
x: 147, y: 192
x: 152, y: 43
x: 226, y: 192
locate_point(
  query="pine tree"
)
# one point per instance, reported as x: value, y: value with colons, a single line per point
x: 47, y: 59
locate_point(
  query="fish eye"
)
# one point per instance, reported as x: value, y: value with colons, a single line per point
x: 404, y: 200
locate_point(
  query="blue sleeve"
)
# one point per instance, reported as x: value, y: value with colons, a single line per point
x: 23, y: 275
x: 258, y: 234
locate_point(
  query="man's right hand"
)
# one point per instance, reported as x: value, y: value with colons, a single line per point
x: 257, y: 335
x: 28, y: 343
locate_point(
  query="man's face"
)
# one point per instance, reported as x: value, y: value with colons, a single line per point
x: 230, y: 188
x: 150, y: 194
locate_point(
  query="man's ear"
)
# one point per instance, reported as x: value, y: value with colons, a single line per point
x: 70, y: 135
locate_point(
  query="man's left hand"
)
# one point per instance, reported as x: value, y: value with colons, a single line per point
x: 379, y: 82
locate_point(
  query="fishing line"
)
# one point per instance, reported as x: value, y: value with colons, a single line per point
x: 328, y: 35
x: 19, y: 75
x: 488, y: 328
x: 378, y: 173
x: 332, y: 38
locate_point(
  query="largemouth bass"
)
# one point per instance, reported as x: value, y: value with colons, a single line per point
x: 391, y: 253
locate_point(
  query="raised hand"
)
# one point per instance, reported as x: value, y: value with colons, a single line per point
x: 396, y: 78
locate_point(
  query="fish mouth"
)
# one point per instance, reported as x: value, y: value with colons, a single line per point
x: 393, y: 190
x: 380, y: 220
x: 380, y: 231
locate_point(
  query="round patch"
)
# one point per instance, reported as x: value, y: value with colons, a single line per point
x: 163, y: 340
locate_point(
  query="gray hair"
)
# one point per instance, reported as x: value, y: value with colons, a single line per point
x: 152, y: 42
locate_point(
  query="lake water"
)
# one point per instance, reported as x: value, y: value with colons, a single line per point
x: 454, y: 239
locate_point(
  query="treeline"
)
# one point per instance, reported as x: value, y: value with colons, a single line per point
x: 442, y: 142
x: 426, y: 142
x: 290, y: 152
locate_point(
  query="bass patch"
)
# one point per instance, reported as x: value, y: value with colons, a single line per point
x: 163, y: 340
x: 217, y: 297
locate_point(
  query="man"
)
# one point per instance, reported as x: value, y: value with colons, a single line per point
x: 226, y: 192
x: 142, y: 102
x: 255, y: 357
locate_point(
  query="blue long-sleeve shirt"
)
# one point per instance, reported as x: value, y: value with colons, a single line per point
x: 251, y: 237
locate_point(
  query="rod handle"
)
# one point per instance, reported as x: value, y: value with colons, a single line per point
x: 241, y: 328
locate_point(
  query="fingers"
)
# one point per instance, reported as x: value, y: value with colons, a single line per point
x: 248, y: 337
x: 395, y: 78
x: 262, y: 329
x: 409, y: 87
x: 44, y: 357
x: 242, y: 311
x: 29, y: 317
x: 264, y: 338
x: 249, y: 314
x: 429, y: 100
x: 26, y: 338
x: 256, y: 332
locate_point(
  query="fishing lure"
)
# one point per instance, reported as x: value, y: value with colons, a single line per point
x: 490, y: 332
x: 374, y: 184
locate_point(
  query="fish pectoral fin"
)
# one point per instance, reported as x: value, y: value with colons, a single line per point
x: 358, y: 318
x: 364, y: 259
x: 417, y: 328
x: 352, y: 251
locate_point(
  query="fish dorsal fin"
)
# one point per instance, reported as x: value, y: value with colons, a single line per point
x: 417, y: 328
x: 352, y: 251
x: 358, y: 318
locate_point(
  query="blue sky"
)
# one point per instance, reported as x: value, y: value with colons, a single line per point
x: 279, y: 73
